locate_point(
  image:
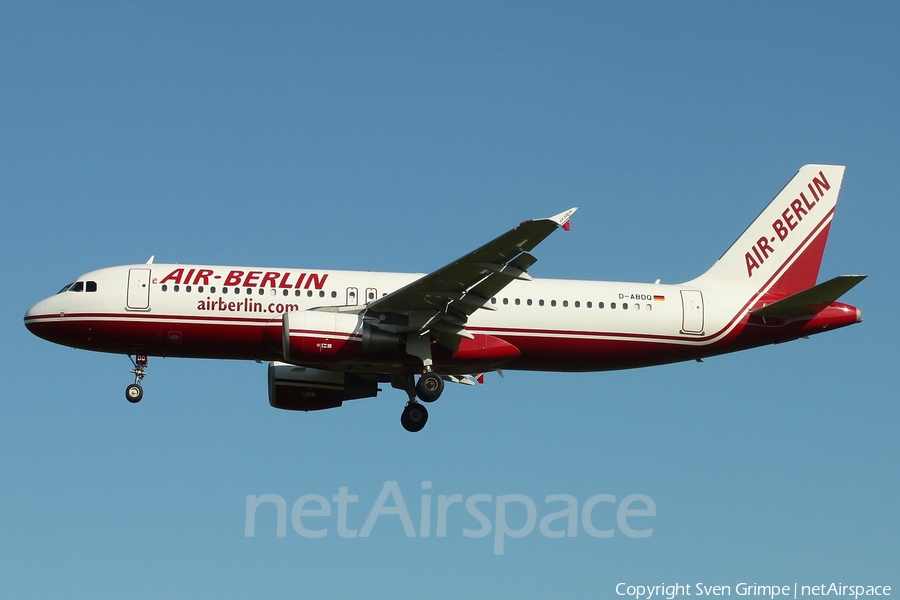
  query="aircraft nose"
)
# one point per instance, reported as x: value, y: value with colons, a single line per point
x: 36, y: 316
x: 31, y: 313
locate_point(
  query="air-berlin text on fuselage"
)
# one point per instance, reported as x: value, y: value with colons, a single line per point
x: 790, y: 217
x: 236, y: 277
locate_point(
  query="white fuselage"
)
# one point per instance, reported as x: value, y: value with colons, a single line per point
x: 236, y: 312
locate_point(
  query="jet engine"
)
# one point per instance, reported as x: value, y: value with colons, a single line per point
x: 302, y: 388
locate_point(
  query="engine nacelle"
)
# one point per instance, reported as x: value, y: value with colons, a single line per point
x: 302, y: 388
x: 315, y: 336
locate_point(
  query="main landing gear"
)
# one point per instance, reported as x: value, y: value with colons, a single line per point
x: 428, y: 389
x: 135, y: 392
x: 414, y: 417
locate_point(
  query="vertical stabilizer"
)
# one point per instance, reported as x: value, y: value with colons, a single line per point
x: 782, y: 249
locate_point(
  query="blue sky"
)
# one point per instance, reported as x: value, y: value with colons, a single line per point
x: 398, y: 137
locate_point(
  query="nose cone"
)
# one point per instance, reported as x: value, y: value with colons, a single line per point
x: 39, y: 317
x: 31, y: 315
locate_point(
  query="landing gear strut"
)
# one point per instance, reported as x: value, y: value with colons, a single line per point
x: 135, y: 392
x: 429, y: 386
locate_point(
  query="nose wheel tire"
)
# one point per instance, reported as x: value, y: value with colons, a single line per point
x: 414, y: 417
x: 134, y: 393
x: 429, y: 387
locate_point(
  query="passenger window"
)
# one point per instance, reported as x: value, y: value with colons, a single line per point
x: 493, y: 301
x: 249, y: 291
x: 553, y: 303
x: 624, y: 306
x: 200, y: 288
x: 589, y: 305
x: 321, y: 293
x: 518, y: 302
x: 212, y: 289
x: 164, y: 287
x: 334, y: 294
x: 187, y: 288
x: 261, y: 291
x: 175, y: 287
x: 506, y: 301
x: 540, y: 302
x: 577, y: 304
x: 600, y: 305
x: 612, y: 304
x: 296, y: 292
x: 565, y: 303
x: 529, y: 302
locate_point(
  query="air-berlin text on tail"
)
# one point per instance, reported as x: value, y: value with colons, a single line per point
x: 790, y: 217
x: 237, y: 277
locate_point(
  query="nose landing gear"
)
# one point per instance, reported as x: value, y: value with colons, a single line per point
x: 135, y: 392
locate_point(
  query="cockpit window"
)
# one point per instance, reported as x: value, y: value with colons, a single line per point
x: 79, y: 286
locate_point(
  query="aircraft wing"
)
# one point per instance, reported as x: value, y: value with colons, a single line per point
x: 444, y: 299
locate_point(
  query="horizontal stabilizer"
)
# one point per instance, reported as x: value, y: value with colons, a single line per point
x: 811, y: 301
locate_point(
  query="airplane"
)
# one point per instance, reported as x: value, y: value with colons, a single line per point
x: 331, y: 336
